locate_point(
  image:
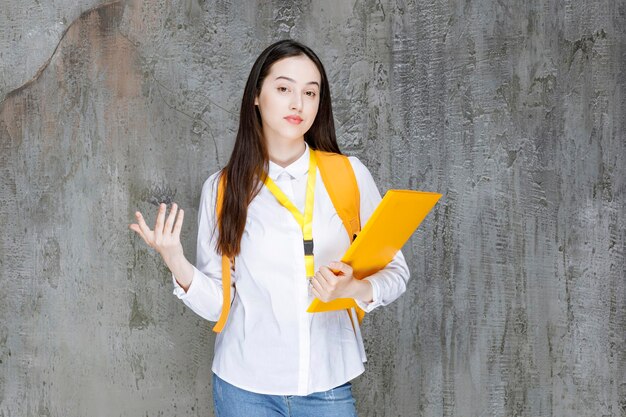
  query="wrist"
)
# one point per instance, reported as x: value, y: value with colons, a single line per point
x: 181, y: 268
x: 175, y: 257
x: 362, y: 290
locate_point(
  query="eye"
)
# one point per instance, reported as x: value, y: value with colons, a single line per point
x: 311, y: 93
x: 282, y: 89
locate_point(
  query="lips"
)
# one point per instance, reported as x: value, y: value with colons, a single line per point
x: 294, y: 119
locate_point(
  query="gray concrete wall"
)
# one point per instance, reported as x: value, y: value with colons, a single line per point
x: 515, y: 111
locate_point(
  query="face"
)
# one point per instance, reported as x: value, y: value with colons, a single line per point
x: 289, y: 99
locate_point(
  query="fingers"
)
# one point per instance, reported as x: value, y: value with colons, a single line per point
x: 322, y: 282
x: 328, y: 284
x: 317, y: 290
x: 316, y: 281
x: 158, y: 226
x: 135, y: 228
x: 317, y: 293
x: 166, y: 231
x: 327, y: 277
x: 179, y: 224
x: 169, y: 223
x: 322, y: 289
x: 145, y: 230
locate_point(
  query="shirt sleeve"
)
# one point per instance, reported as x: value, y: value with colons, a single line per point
x: 390, y: 282
x: 205, y: 294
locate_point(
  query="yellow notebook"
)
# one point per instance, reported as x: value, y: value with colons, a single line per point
x: 393, y: 222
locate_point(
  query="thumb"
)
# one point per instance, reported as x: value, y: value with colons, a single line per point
x: 341, y: 267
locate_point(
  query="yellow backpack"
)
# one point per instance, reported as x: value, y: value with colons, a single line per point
x: 340, y: 182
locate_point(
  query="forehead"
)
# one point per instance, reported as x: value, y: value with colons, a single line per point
x: 299, y: 68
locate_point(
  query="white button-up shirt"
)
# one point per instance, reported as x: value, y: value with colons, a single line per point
x: 270, y: 344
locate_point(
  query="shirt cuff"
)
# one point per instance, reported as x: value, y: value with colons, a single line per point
x: 365, y: 306
x: 180, y: 292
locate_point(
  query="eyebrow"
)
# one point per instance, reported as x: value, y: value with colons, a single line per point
x: 293, y: 81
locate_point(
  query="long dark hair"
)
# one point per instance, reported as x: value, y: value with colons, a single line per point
x: 247, y: 168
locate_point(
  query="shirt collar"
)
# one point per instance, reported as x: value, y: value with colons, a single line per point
x: 296, y: 169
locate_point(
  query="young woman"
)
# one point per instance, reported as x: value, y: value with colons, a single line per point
x: 272, y: 357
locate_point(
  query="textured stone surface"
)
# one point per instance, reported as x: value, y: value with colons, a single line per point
x: 516, y: 112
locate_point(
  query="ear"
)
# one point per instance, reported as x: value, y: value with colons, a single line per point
x: 256, y: 101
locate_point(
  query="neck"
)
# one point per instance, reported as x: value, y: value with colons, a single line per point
x: 284, y: 154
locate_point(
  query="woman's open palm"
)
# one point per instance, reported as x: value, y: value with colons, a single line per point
x: 165, y: 237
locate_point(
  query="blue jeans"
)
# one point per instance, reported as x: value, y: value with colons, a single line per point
x: 231, y: 401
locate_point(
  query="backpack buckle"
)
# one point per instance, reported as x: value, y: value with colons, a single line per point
x: 308, y: 247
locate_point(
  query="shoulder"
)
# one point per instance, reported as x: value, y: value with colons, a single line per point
x: 358, y: 166
x: 361, y: 172
x: 364, y: 179
x: 209, y: 188
x: 334, y: 161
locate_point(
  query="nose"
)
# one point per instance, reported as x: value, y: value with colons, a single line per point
x: 296, y: 102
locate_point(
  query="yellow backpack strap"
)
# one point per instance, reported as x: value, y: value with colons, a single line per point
x: 343, y: 190
x: 225, y: 264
